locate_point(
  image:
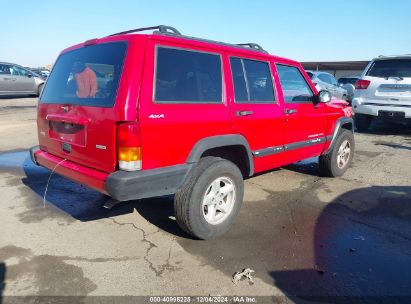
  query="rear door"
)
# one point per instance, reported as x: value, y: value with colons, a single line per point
x: 5, y: 79
x: 305, y: 122
x: 182, y: 100
x: 24, y: 80
x: 390, y: 81
x: 77, y: 113
x: 255, y: 111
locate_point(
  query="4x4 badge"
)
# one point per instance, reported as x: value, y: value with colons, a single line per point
x: 156, y: 116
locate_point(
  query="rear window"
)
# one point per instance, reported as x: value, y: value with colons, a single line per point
x: 390, y: 68
x: 347, y: 80
x: 86, y: 76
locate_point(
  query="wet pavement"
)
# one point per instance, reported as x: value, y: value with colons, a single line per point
x: 307, y: 238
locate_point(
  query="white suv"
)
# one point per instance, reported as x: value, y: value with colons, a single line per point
x: 383, y: 91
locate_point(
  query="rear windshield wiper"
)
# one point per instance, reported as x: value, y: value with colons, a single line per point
x: 393, y: 77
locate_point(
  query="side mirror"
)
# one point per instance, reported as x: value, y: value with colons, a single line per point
x: 324, y: 96
x: 29, y: 75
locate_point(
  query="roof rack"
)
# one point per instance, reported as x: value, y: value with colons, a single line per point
x: 169, y: 30
x: 253, y: 46
x: 389, y: 56
x: 163, y: 29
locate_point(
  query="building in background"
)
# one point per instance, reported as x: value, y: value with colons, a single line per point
x: 337, y: 68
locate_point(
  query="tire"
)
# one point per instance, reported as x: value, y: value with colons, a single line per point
x: 362, y: 121
x: 40, y: 89
x: 336, y: 161
x: 211, y: 174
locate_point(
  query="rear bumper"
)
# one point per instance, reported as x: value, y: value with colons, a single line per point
x: 371, y: 107
x: 120, y: 185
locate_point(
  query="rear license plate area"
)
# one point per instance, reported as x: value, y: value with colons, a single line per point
x: 391, y: 114
x: 74, y: 134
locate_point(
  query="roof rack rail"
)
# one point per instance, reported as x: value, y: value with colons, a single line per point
x: 163, y: 29
x: 169, y: 30
x: 253, y: 46
x: 388, y: 56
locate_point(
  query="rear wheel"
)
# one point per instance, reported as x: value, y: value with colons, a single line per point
x: 209, y: 202
x: 362, y: 121
x: 339, y: 158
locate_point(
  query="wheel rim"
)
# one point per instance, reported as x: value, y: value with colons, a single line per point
x: 218, y: 200
x: 344, y: 153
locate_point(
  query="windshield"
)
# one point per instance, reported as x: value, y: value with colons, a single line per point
x: 390, y: 68
x: 86, y: 76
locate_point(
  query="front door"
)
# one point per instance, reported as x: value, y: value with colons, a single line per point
x: 255, y: 111
x: 24, y: 82
x: 304, y: 121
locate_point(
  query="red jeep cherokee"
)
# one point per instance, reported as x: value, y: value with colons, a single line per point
x: 143, y: 115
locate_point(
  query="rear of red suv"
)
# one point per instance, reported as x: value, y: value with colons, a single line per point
x: 83, y: 122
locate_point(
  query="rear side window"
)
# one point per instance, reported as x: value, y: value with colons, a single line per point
x: 390, y: 68
x: 4, y: 69
x: 86, y: 76
x: 187, y: 76
x: 295, y: 88
x: 252, y: 81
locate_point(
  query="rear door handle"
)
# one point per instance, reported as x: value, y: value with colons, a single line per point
x: 290, y: 111
x: 244, y: 113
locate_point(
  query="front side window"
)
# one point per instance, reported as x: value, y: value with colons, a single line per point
x: 295, y: 87
x: 20, y: 71
x: 252, y: 81
x: 86, y: 76
x: 14, y: 71
x: 187, y: 76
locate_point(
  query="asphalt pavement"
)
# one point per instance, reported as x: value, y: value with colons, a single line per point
x: 306, y: 237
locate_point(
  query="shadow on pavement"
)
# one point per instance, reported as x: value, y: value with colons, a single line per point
x: 392, y: 145
x: 86, y: 205
x: 2, y: 280
x: 384, y: 127
x: 362, y: 250
x: 17, y: 96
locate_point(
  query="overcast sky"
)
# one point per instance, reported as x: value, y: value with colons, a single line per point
x: 34, y: 32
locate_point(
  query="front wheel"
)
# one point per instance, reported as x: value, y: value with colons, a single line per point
x: 339, y: 158
x: 209, y: 202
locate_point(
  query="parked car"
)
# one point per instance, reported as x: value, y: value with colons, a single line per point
x: 16, y: 80
x: 43, y: 73
x: 326, y: 81
x: 184, y: 116
x: 348, y: 83
x: 383, y: 91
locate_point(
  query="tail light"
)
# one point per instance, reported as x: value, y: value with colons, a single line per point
x: 129, y: 146
x: 362, y: 84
